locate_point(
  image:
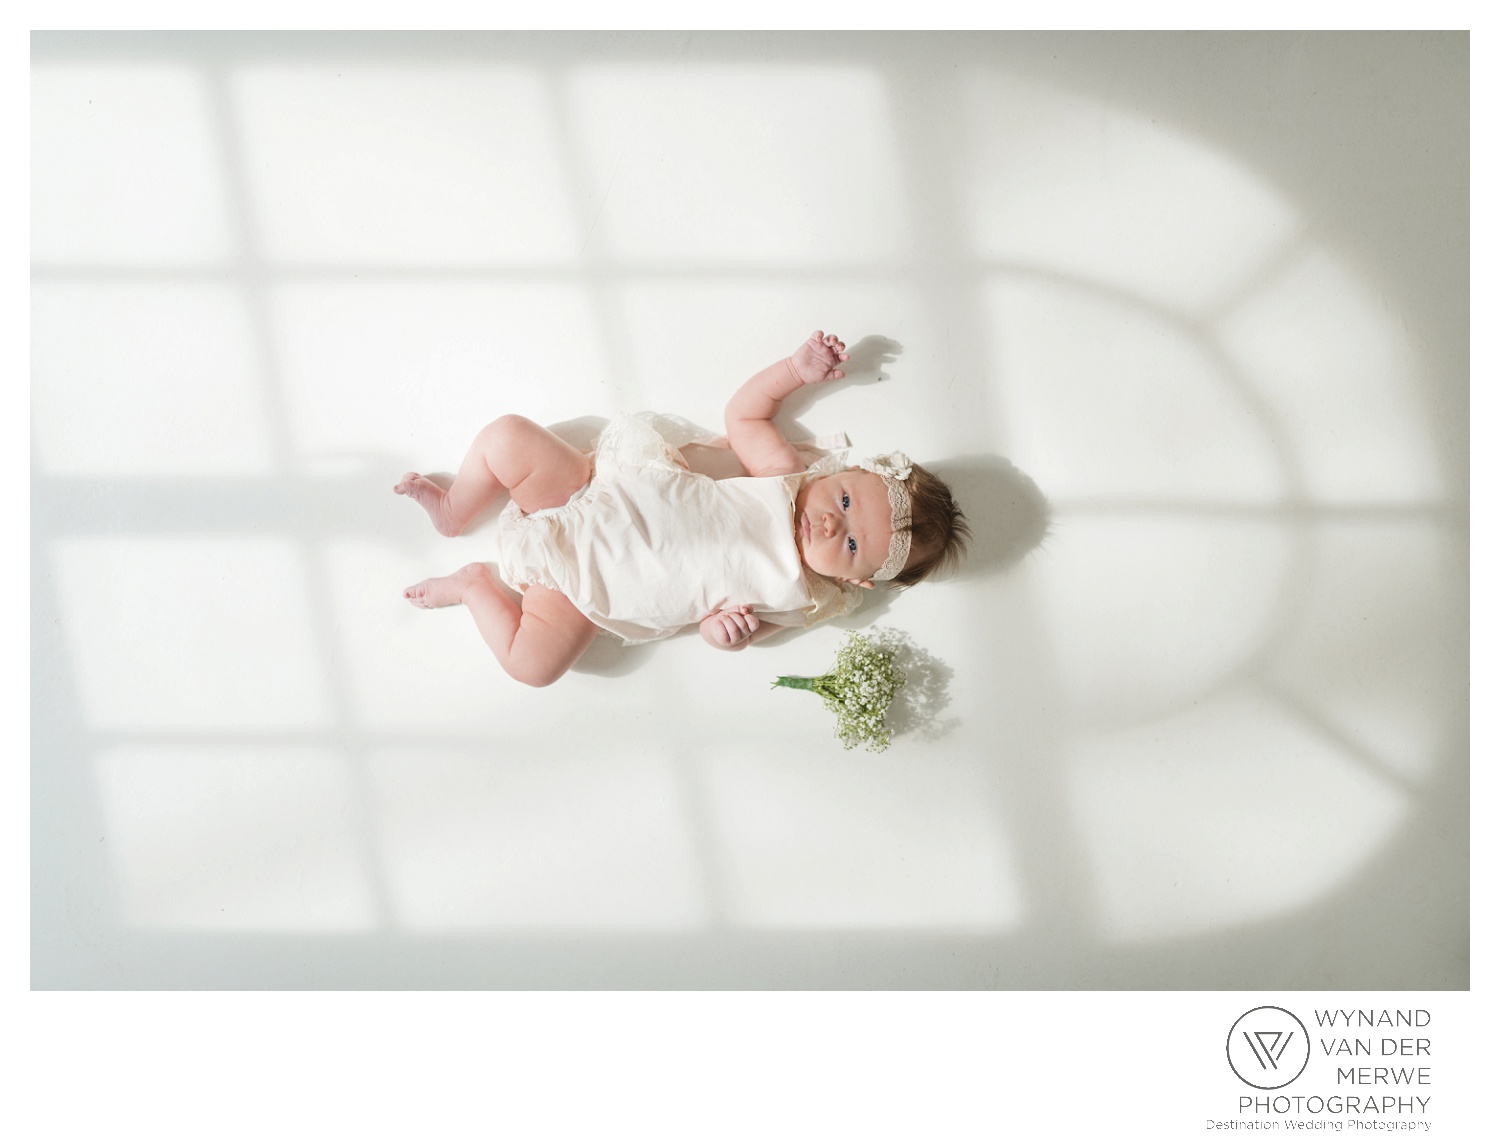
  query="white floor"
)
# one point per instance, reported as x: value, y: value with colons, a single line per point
x: 1209, y: 292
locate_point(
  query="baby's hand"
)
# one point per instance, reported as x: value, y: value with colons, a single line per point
x: 728, y: 629
x: 818, y: 358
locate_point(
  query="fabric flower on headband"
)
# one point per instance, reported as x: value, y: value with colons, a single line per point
x: 896, y: 465
x: 893, y: 468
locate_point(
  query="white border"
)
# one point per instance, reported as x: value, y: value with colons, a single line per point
x: 727, y: 1065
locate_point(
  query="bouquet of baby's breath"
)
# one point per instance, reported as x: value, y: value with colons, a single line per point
x: 859, y: 690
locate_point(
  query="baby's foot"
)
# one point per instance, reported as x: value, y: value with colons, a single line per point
x: 434, y: 501
x: 446, y: 591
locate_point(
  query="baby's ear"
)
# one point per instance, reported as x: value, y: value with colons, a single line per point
x: 866, y: 583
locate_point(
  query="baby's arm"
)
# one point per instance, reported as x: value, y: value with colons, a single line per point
x: 749, y: 418
x: 734, y: 628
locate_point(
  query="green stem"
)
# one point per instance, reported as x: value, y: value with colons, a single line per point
x: 796, y: 682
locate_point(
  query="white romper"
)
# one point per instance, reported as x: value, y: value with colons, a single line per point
x: 648, y: 546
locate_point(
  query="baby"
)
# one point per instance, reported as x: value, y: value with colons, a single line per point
x: 628, y: 539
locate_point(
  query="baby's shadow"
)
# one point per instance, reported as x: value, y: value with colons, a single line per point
x: 1008, y: 515
x: 607, y: 656
x: 868, y: 357
x: 581, y: 431
x: 866, y: 365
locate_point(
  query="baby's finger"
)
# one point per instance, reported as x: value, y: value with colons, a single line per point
x: 752, y: 623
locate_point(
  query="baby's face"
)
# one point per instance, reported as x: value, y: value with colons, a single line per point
x: 843, y: 525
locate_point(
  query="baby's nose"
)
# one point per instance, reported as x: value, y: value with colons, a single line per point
x: 830, y: 523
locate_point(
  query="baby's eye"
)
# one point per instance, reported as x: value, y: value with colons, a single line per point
x: 846, y: 501
x: 853, y: 546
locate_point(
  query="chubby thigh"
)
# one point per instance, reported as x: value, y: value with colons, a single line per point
x: 552, y: 636
x: 539, y: 468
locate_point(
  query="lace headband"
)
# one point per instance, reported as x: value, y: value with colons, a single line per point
x: 893, y: 469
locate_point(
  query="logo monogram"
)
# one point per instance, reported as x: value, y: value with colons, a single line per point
x: 1268, y: 1047
x: 1264, y: 1045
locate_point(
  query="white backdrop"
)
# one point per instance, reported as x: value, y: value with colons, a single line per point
x: 1209, y: 292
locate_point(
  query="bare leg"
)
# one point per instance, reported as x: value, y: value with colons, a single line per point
x: 536, y: 642
x: 511, y: 454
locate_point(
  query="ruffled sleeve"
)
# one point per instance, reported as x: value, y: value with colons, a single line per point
x: 830, y: 599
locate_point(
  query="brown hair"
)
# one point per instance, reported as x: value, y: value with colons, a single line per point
x: 939, y: 531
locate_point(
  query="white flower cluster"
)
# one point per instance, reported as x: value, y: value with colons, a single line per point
x: 859, y: 690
